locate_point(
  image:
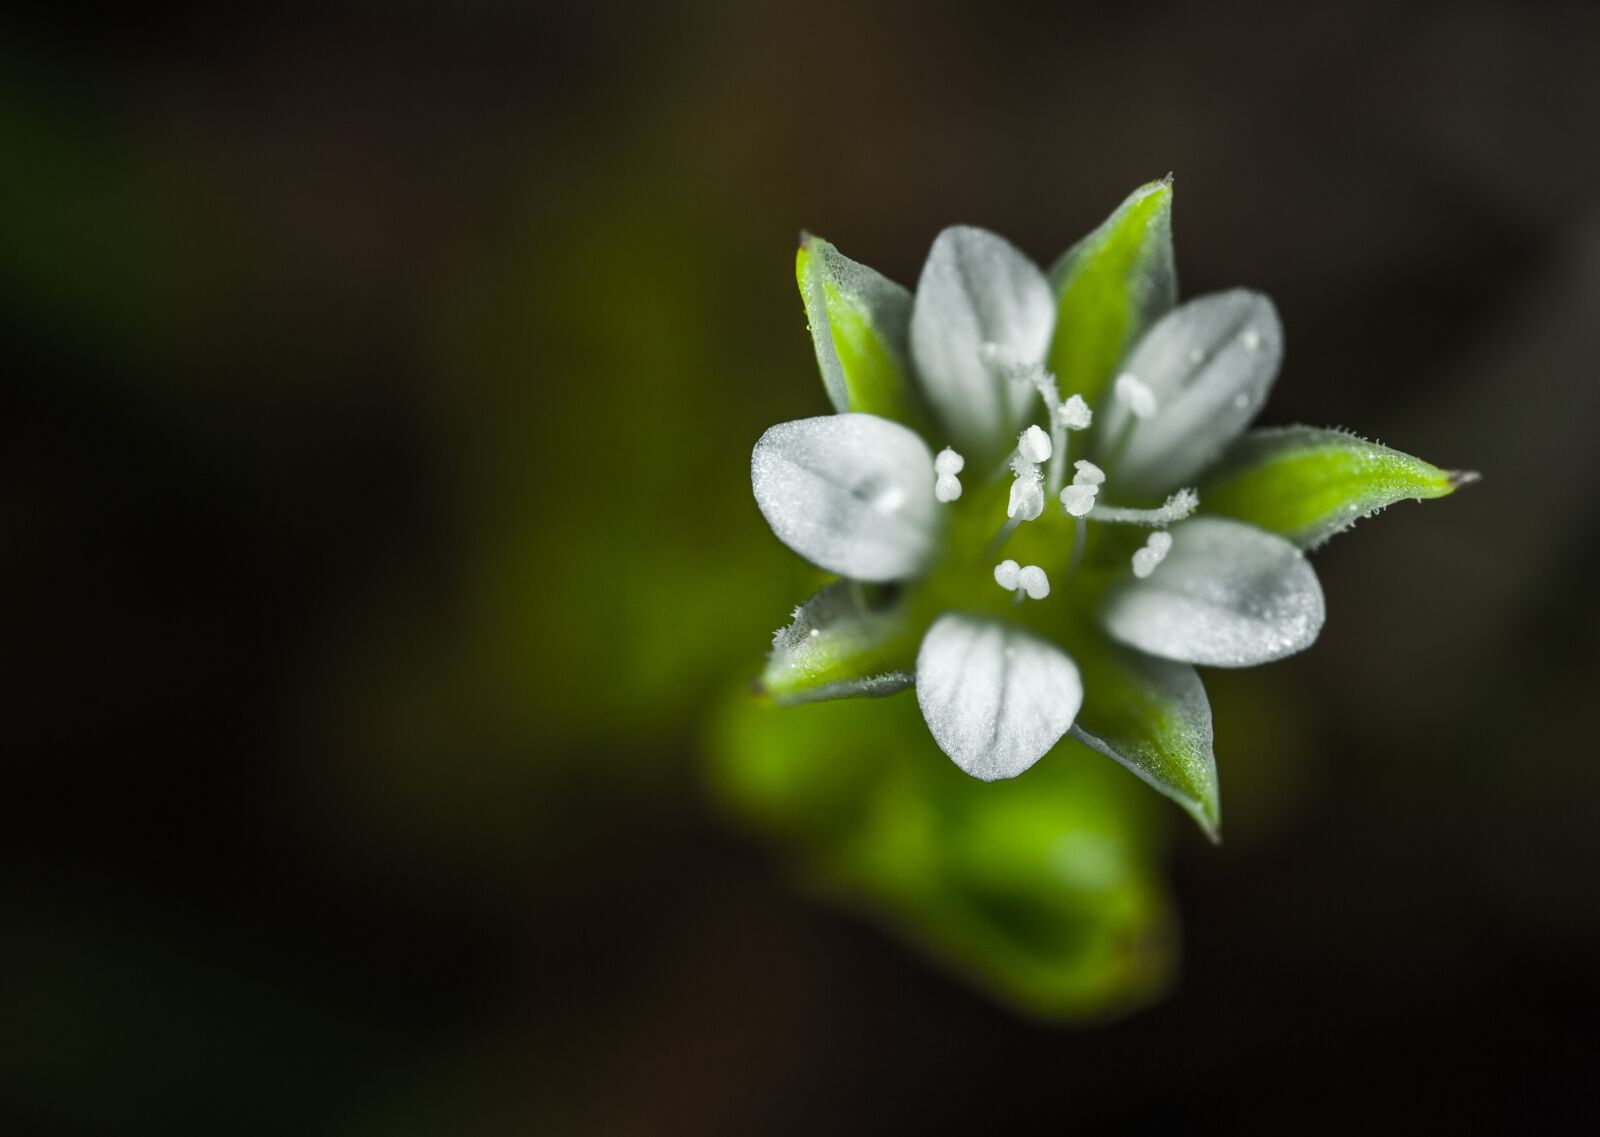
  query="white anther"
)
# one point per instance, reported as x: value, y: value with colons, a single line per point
x: 1140, y: 400
x: 1078, y: 499
x: 1006, y: 574
x: 1180, y: 505
x: 1075, y: 413
x: 1088, y: 473
x: 1033, y: 581
x: 1027, y: 493
x: 1034, y: 445
x: 1154, y: 552
x: 946, y: 465
x: 1251, y: 339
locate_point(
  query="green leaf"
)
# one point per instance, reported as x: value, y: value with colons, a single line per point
x: 1110, y: 287
x: 1044, y: 890
x: 841, y: 645
x: 859, y: 321
x: 1307, y: 484
x: 1153, y: 716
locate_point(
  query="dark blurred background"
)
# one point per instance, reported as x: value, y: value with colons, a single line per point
x: 380, y: 388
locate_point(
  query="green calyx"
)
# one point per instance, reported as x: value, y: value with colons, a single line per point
x: 1308, y: 485
x: 1110, y: 287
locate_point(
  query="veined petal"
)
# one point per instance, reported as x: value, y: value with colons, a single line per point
x: 851, y: 493
x: 839, y: 647
x: 977, y: 289
x: 995, y: 697
x: 1110, y: 287
x: 1226, y: 595
x: 1209, y: 363
x: 1152, y: 716
x: 1307, y: 485
x: 860, y: 325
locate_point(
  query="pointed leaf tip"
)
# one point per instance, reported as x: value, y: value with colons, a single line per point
x: 1153, y: 717
x: 840, y: 645
x: 859, y: 322
x: 1309, y: 484
x: 1110, y: 287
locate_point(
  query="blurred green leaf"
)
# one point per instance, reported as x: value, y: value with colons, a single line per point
x: 1109, y: 287
x: 1307, y: 484
x: 1044, y: 889
x: 858, y: 320
x: 840, y: 645
x: 1152, y: 716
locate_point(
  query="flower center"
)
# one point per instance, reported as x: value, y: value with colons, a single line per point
x: 1038, y: 467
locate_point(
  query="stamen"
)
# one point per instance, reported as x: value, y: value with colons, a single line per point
x: 1177, y: 507
x: 1034, y: 582
x: 1034, y: 446
x: 1030, y: 581
x: 1075, y: 413
x: 1043, y: 446
x: 1027, y: 492
x: 1155, y: 550
x: 1078, y: 498
x: 1140, y: 399
x: 946, y: 465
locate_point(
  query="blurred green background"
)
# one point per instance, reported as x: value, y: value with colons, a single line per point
x: 381, y: 385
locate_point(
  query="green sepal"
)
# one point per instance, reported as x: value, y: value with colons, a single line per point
x: 1110, y: 287
x: 859, y: 322
x: 1152, y: 716
x: 1307, y: 484
x: 841, y: 644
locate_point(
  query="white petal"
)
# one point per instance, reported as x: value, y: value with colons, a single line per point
x: 977, y: 289
x: 995, y: 697
x: 1209, y: 364
x: 851, y: 493
x: 1226, y: 595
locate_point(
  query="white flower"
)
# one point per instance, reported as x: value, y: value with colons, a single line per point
x: 862, y: 495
